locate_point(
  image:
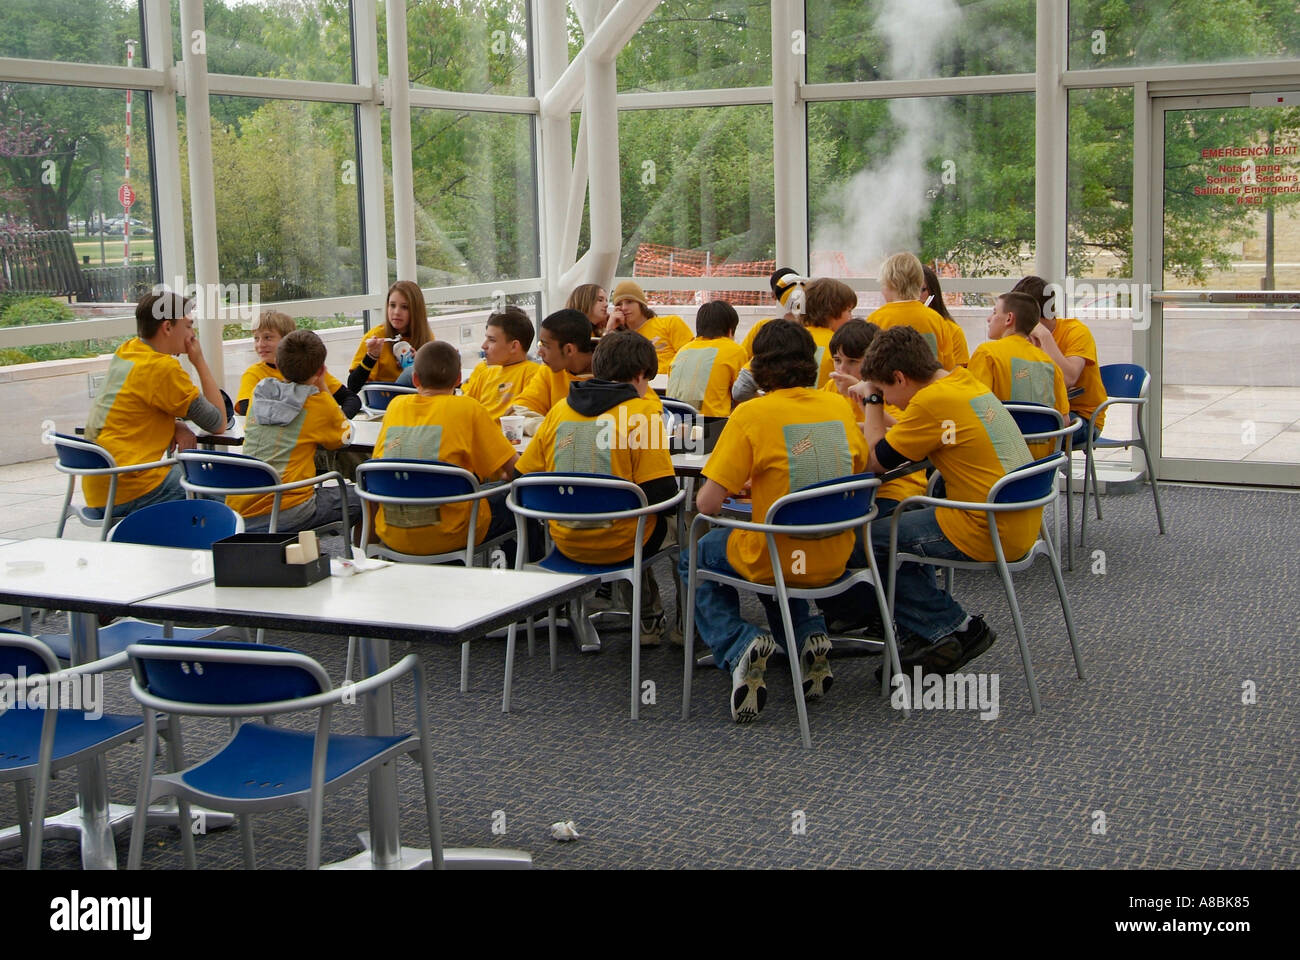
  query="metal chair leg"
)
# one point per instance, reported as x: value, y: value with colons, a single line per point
x: 796, y: 668
x: 1005, y: 574
x: 510, y: 668
x: 1151, y: 474
x: 552, y: 637
x: 246, y: 841
x: 636, y: 642
x: 464, y: 666
x: 24, y: 802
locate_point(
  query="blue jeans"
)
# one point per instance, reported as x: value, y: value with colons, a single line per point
x: 325, y: 506
x: 169, y: 489
x: 849, y: 606
x: 406, y: 377
x: 920, y: 607
x: 717, y: 607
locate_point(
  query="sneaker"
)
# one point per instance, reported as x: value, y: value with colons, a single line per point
x: 937, y: 657
x: 652, y: 630
x: 975, y: 639
x: 816, y: 668
x: 748, y: 691
x: 867, y: 627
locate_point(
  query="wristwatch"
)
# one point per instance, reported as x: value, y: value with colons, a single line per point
x: 874, y: 398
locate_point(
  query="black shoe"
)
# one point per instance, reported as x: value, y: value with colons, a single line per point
x: 866, y: 627
x: 975, y: 639
x: 936, y: 657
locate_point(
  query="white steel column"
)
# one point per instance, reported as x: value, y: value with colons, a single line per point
x: 397, y: 96
x: 555, y: 165
x: 203, y: 202
x: 169, y: 241
x: 370, y: 149
x: 789, y: 135
x: 1051, y: 104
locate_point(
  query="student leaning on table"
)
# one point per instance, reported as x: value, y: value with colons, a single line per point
x: 287, y: 421
x: 789, y: 438
x: 609, y: 425
x: 272, y: 326
x: 435, y: 424
x: 828, y: 305
x: 136, y: 414
x: 406, y: 319
x: 668, y: 334
x: 951, y: 418
x: 1071, y: 346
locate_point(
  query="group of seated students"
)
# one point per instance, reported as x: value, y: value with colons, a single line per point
x: 808, y: 397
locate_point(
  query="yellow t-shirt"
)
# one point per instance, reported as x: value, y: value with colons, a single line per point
x: 547, y: 388
x: 386, y: 369
x: 703, y: 372
x: 668, y: 334
x: 1074, y: 339
x: 291, y: 449
x: 634, y: 446
x: 970, y: 437
x: 1018, y: 372
x: 959, y: 349
x: 910, y: 485
x: 825, y: 362
x: 938, y: 332
x: 134, y: 416
x: 782, y: 441
x: 455, y: 430
x: 498, y: 387
x: 261, y: 370
x: 748, y: 342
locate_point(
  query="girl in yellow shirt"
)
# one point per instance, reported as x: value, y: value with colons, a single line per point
x: 385, y: 352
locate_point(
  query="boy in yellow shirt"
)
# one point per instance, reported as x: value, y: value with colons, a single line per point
x: 789, y: 438
x: 705, y: 368
x: 951, y: 418
x: 564, y: 346
x: 901, y: 281
x: 631, y: 312
x: 272, y: 326
x: 1071, y: 346
x: 136, y: 414
x: 1012, y: 367
x: 608, y: 425
x: 287, y: 421
x: 505, y: 370
x: 435, y: 424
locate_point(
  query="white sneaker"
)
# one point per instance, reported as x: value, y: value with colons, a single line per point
x: 748, y: 691
x: 816, y: 668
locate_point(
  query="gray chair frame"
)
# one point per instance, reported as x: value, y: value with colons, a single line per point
x: 154, y: 786
x: 112, y: 471
x: 1003, y: 567
x: 780, y: 590
x: 1091, y: 444
x: 1061, y: 439
x: 631, y: 574
x: 276, y: 487
x: 31, y: 814
x: 370, y: 411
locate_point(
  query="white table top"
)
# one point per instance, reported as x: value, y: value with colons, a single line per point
x: 93, y: 571
x: 400, y: 601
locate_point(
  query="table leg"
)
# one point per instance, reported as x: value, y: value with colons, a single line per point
x: 97, y: 849
x: 386, y: 851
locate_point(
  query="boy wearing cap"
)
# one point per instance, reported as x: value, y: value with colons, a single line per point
x: 668, y: 334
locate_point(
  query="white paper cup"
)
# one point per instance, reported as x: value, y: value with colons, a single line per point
x: 513, y: 428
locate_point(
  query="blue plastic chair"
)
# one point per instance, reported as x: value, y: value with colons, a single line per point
x: 37, y: 742
x: 584, y: 497
x: 191, y: 524
x: 220, y: 474
x: 375, y: 397
x: 81, y: 458
x: 262, y: 767
x: 1125, y: 383
x: 1038, y: 423
x: 425, y: 483
x: 818, y: 510
x: 1031, y: 487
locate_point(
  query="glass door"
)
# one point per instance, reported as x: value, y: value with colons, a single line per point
x: 1224, y: 342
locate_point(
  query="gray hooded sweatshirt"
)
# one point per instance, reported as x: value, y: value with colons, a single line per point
x: 277, y: 402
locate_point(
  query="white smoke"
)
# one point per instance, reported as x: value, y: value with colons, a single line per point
x: 878, y: 211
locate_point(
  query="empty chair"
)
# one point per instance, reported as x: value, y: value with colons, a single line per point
x: 262, y: 767
x: 38, y: 742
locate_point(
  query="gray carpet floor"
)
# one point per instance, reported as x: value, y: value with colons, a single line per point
x: 1156, y: 745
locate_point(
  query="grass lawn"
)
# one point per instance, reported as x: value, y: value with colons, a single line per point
x: 113, y: 250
